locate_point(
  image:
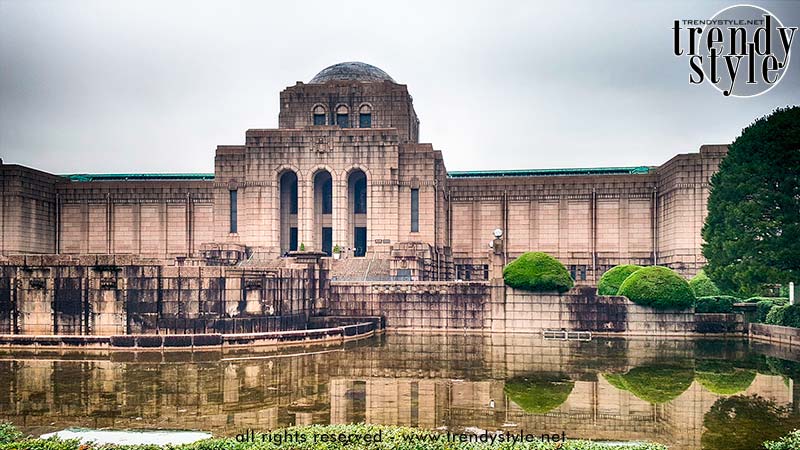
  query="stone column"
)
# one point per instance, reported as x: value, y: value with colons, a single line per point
x: 340, y: 211
x: 305, y: 213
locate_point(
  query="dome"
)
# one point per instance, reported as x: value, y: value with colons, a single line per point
x: 351, y: 71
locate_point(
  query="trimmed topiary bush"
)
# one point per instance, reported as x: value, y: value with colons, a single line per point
x: 715, y: 304
x: 654, y: 384
x: 721, y: 377
x: 702, y: 286
x: 611, y: 280
x: 539, y: 393
x: 764, y: 306
x: 658, y: 287
x: 537, y: 271
x: 784, y: 315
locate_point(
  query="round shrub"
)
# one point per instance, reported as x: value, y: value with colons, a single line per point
x: 702, y: 286
x: 715, y: 304
x: 539, y: 393
x: 611, y: 280
x: 721, y: 377
x: 537, y: 271
x: 655, y: 383
x: 658, y: 287
x: 784, y: 315
x: 764, y: 306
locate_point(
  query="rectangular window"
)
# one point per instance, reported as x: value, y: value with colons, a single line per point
x: 365, y: 120
x: 234, y: 212
x: 327, y: 197
x: 319, y: 119
x: 341, y: 120
x: 414, y: 210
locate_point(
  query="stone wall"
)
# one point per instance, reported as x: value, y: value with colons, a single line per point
x: 113, y: 295
x: 481, y: 306
x: 27, y: 210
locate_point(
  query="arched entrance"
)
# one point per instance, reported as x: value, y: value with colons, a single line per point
x: 357, y: 211
x: 323, y: 211
x: 288, y: 211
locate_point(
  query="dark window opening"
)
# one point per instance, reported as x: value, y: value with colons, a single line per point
x: 360, y: 196
x: 365, y: 120
x: 234, y: 213
x: 341, y: 120
x: 327, y: 240
x: 293, y: 239
x: 327, y: 196
x: 293, y: 196
x: 360, y: 235
x: 414, y: 210
x: 319, y: 119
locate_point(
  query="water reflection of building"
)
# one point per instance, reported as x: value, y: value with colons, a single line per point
x: 449, y: 382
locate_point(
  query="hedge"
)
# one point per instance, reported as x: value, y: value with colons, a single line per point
x: 702, y: 286
x: 540, y: 393
x: 655, y: 383
x: 784, y: 315
x: 611, y: 280
x: 391, y: 437
x: 715, y: 304
x: 658, y: 287
x: 537, y: 271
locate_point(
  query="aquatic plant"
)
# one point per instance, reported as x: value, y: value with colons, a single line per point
x: 537, y: 271
x: 539, y: 393
x: 611, y: 280
x: 658, y: 287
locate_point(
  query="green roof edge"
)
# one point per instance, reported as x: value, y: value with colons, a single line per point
x: 138, y: 176
x: 638, y: 170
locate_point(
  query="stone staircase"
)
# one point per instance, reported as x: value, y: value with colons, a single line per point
x: 360, y: 269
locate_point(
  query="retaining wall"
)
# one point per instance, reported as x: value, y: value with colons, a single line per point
x: 482, y: 306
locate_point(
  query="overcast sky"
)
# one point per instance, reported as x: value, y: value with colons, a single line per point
x: 108, y: 86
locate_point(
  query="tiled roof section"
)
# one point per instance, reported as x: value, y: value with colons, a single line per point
x: 640, y: 170
x: 139, y: 176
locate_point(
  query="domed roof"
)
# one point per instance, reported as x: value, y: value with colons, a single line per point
x: 351, y: 71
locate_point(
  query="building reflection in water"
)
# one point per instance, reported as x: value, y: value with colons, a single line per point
x: 430, y: 381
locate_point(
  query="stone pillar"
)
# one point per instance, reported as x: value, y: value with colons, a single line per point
x: 305, y: 213
x: 340, y: 211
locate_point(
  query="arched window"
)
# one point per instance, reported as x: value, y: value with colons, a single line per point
x: 342, y: 118
x: 365, y: 117
x: 319, y: 115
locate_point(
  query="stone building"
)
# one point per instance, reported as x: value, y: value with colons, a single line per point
x: 345, y: 170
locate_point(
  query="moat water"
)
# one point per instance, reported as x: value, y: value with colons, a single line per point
x: 688, y: 394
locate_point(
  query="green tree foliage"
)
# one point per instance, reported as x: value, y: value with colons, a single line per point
x: 539, y: 393
x: 784, y: 315
x: 658, y: 287
x: 715, y: 304
x: 752, y: 231
x: 702, y: 286
x: 789, y: 442
x: 611, y: 280
x: 537, y: 271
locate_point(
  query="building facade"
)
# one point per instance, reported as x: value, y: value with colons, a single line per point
x: 345, y: 171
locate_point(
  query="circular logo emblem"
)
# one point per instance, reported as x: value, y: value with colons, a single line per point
x: 745, y: 50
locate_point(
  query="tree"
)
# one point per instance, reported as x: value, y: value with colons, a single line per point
x: 752, y: 231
